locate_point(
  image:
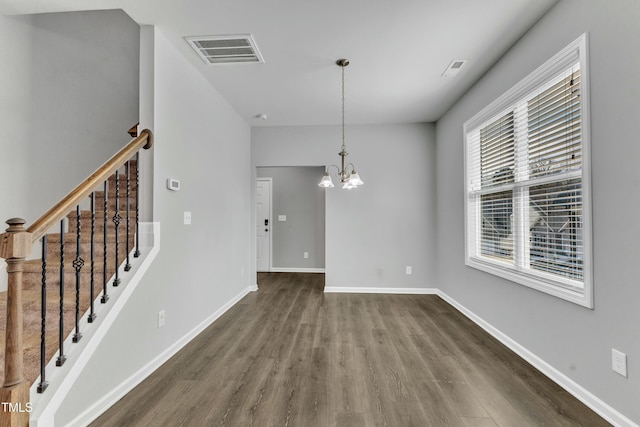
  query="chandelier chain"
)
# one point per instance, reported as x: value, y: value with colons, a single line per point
x: 343, y: 144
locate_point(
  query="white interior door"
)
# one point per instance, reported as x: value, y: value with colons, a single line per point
x: 263, y: 224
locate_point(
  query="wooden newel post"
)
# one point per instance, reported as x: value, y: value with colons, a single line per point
x: 15, y: 246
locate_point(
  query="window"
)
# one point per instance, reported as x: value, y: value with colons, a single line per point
x: 527, y: 181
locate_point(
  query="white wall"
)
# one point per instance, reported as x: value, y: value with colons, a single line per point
x: 202, y: 141
x: 572, y: 339
x: 72, y: 92
x: 14, y: 106
x: 374, y: 232
x: 68, y: 93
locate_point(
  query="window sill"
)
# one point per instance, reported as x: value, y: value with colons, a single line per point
x: 577, y: 296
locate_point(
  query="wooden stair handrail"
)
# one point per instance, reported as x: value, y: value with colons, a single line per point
x: 15, y: 246
x: 82, y: 191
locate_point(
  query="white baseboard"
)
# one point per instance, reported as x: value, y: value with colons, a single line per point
x: 99, y: 407
x: 579, y: 392
x: 253, y: 288
x: 295, y: 270
x: 362, y: 290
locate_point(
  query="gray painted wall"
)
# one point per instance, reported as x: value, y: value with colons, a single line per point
x: 295, y: 193
x: 574, y: 340
x: 14, y: 118
x: 68, y: 97
x: 374, y: 232
x: 68, y: 93
x: 200, y: 140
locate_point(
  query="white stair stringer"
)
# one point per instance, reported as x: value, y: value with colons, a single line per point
x: 61, y: 379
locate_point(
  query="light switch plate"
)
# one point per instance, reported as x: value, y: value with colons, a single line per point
x: 282, y: 217
x: 160, y: 318
x: 619, y: 362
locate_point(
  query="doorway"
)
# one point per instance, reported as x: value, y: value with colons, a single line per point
x: 296, y: 219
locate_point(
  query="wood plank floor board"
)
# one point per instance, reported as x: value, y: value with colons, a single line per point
x: 256, y: 407
x: 315, y: 391
x: 477, y: 422
x: 349, y: 419
x: 290, y: 355
x: 347, y: 386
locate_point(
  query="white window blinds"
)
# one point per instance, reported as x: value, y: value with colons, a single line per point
x: 525, y: 181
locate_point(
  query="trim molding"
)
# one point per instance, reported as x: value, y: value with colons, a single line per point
x: 364, y: 290
x: 585, y: 396
x: 295, y: 270
x: 99, y: 407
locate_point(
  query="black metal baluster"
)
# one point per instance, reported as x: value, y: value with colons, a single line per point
x: 136, y: 254
x: 78, y: 263
x: 61, y: 357
x: 127, y: 266
x: 105, y: 295
x: 92, y: 314
x: 43, y: 384
x: 116, y: 221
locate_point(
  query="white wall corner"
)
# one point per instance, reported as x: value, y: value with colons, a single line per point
x: 148, y: 233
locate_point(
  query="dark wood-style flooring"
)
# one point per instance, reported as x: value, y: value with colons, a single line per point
x: 290, y: 355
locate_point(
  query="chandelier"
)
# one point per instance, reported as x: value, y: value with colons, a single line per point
x: 346, y: 174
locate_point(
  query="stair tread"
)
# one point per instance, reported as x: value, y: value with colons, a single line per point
x: 35, y: 266
x: 85, y: 236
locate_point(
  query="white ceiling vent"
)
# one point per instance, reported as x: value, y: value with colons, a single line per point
x: 454, y: 67
x: 226, y: 49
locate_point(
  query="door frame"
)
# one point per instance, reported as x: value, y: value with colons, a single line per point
x: 270, y: 181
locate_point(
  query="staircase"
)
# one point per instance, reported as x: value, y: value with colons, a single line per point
x: 86, y: 251
x: 32, y: 277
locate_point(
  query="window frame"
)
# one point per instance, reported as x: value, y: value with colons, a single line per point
x: 551, y: 284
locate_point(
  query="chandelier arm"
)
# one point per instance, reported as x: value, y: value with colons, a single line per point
x: 333, y: 166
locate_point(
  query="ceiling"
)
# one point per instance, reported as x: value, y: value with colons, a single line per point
x: 398, y: 51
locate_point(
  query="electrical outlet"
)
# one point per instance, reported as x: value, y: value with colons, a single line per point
x: 160, y: 318
x: 187, y: 218
x: 619, y: 362
x: 408, y: 269
x: 306, y: 255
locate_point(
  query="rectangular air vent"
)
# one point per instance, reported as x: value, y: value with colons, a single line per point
x: 226, y: 49
x: 454, y: 67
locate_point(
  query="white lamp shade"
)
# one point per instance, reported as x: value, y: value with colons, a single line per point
x: 326, y: 182
x: 354, y: 179
x: 348, y: 186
